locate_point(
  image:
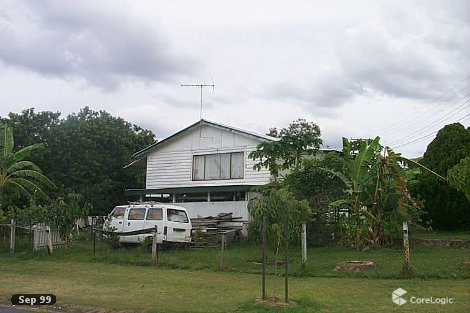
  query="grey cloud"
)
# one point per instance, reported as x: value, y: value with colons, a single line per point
x: 414, y: 52
x: 102, y: 46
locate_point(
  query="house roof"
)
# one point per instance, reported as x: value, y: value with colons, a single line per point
x: 139, y: 155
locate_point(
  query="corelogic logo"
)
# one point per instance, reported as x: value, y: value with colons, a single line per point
x: 397, y: 296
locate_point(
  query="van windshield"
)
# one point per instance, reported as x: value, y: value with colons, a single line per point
x: 118, y: 212
x: 177, y: 216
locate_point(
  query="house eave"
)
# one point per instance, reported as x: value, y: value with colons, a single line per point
x: 198, y: 189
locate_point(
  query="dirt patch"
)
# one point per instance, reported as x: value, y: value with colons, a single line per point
x: 275, y: 302
x: 354, y: 266
x: 465, y: 265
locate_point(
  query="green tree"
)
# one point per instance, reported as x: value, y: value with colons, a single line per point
x: 459, y: 177
x: 276, y: 205
x: 446, y: 208
x: 84, y: 153
x: 314, y: 182
x: 18, y: 176
x: 90, y: 151
x: 299, y: 140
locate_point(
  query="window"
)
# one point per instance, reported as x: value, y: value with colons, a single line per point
x: 177, y: 216
x: 118, y: 212
x: 136, y: 214
x: 218, y: 166
x: 154, y: 214
x: 227, y: 196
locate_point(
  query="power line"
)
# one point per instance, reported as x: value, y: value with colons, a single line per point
x: 445, y: 97
x: 428, y: 135
x: 463, y: 106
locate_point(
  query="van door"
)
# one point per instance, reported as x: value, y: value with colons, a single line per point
x: 116, y: 218
x: 135, y: 221
x: 155, y: 218
x: 178, y: 226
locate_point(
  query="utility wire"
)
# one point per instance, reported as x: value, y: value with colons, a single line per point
x: 426, y: 136
x: 462, y: 107
x: 445, y: 97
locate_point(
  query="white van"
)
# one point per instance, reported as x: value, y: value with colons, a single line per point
x: 173, y: 223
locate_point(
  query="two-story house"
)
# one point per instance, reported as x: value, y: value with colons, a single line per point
x: 204, y: 168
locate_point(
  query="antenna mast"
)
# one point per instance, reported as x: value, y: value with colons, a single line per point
x: 200, y: 86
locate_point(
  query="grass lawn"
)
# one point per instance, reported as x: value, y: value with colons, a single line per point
x: 245, y: 257
x: 147, y: 289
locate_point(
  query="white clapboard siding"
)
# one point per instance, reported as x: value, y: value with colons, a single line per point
x: 170, y: 166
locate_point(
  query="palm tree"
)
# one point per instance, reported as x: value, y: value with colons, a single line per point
x: 17, y: 175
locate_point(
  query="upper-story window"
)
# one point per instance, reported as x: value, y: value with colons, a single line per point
x: 218, y: 166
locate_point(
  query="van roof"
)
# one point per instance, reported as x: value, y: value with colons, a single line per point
x: 151, y: 204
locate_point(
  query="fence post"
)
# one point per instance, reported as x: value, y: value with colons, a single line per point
x: 222, y: 247
x: 304, y: 243
x: 12, y: 235
x: 154, y: 247
x: 263, y: 272
x: 94, y: 236
x: 35, y: 239
x: 286, y: 261
x: 406, y: 245
x: 49, y: 240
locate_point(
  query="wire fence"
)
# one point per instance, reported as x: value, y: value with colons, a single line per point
x: 432, y: 255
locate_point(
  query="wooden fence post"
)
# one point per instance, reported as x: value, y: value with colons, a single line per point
x: 406, y: 245
x: 12, y: 235
x: 94, y: 236
x: 154, y: 247
x: 304, y: 243
x: 263, y: 272
x: 286, y: 261
x: 49, y: 240
x: 223, y: 239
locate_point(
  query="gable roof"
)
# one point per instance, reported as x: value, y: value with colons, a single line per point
x: 143, y: 153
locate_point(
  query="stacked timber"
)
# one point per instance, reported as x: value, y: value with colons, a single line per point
x: 207, y: 229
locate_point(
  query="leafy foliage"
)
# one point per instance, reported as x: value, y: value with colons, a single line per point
x: 60, y: 213
x: 295, y: 142
x: 377, y: 181
x: 18, y: 176
x: 277, y: 204
x: 85, y: 153
x: 446, y: 208
x: 459, y: 177
x: 315, y: 182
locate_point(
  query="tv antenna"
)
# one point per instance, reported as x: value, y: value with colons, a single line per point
x: 200, y: 86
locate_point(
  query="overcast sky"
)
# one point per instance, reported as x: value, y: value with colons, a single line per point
x: 398, y: 69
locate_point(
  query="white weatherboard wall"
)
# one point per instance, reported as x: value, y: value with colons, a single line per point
x: 170, y: 165
x: 203, y: 209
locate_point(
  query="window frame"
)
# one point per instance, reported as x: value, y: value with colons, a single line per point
x: 231, y: 169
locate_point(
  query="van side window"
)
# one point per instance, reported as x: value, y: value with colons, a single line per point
x: 118, y: 213
x: 155, y: 214
x: 177, y: 216
x: 136, y: 214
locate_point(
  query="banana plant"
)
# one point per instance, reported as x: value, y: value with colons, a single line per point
x: 375, y: 179
x: 18, y: 175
